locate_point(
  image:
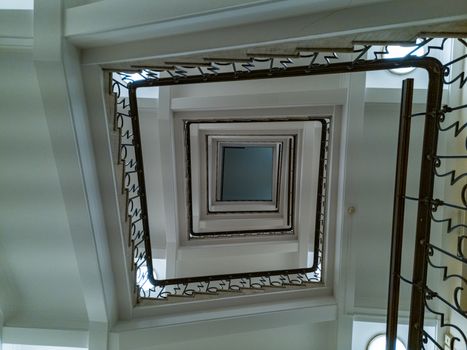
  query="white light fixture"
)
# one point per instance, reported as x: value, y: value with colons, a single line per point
x: 379, y: 343
x: 395, y: 51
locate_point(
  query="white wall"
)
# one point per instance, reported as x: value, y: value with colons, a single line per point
x: 39, y: 279
x: 153, y: 166
x: 374, y: 184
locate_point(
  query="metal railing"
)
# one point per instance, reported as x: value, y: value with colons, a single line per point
x: 129, y: 155
x: 439, y: 300
x: 436, y: 121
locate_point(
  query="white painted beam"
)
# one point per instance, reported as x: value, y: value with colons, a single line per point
x: 98, y: 336
x: 314, y: 309
x: 93, y: 79
x: 79, y: 113
x: 167, y: 157
x: 258, y: 101
x: 352, y: 132
x: 344, y: 277
x: 149, y: 334
x: 366, y: 18
x: 155, y: 190
x: 63, y: 102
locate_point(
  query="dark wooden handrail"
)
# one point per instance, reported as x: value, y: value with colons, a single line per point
x: 398, y: 213
x: 425, y: 192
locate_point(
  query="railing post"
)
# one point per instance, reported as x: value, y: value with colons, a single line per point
x: 425, y: 195
x: 398, y: 213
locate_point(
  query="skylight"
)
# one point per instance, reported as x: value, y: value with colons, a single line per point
x: 247, y: 173
x: 379, y: 343
x: 396, y: 51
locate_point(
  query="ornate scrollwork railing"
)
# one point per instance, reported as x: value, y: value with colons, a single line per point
x: 448, y: 301
x: 256, y: 67
x: 130, y: 161
x: 442, y: 253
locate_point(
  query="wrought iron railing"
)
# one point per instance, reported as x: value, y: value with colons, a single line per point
x: 129, y: 155
x: 442, y: 296
x: 437, y: 121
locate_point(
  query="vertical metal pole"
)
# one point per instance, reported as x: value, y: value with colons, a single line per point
x: 398, y: 213
x: 425, y: 194
x: 139, y: 167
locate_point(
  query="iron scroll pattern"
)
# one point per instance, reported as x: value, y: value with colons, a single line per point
x: 147, y: 286
x: 211, y: 70
x: 446, y: 249
x: 135, y: 218
x: 448, y: 301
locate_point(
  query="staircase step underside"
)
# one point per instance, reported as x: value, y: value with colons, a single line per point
x: 340, y: 43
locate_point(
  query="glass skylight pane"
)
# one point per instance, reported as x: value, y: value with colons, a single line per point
x: 247, y: 173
